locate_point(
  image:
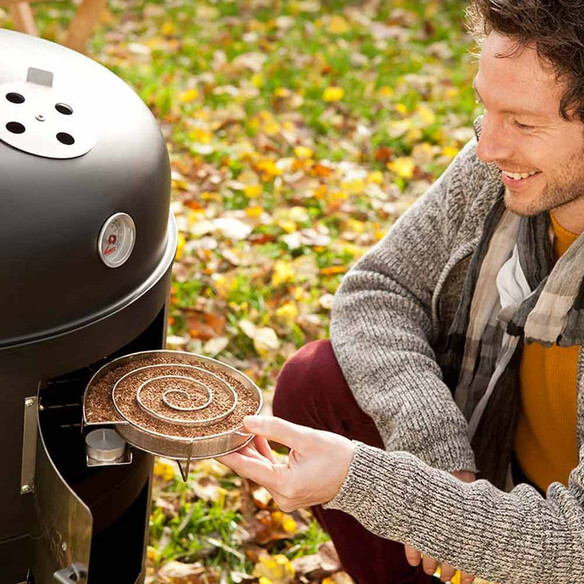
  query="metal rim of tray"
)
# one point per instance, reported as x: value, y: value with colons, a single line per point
x: 194, y: 456
x: 135, y: 356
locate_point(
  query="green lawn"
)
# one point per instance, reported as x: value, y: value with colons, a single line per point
x: 298, y: 132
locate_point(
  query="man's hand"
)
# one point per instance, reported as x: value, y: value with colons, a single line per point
x: 318, y: 462
x: 430, y: 565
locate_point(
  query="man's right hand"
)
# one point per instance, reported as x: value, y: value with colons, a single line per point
x: 430, y: 565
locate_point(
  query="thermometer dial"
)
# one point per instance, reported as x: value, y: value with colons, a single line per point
x: 116, y: 240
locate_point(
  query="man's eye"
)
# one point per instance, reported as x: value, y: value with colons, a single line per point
x: 523, y: 126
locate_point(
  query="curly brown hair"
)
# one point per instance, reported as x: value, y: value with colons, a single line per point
x: 554, y: 27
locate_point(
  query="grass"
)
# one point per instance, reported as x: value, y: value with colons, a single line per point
x: 315, y: 124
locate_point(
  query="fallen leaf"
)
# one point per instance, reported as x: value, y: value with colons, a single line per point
x: 208, y: 489
x: 266, y: 340
x: 178, y: 573
x: 332, y: 94
x: 277, y: 569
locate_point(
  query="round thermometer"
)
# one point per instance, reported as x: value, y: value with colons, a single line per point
x: 116, y: 240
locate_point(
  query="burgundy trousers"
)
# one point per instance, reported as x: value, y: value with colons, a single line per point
x: 312, y: 391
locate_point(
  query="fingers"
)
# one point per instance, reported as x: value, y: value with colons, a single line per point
x: 272, y: 428
x: 264, y: 448
x: 429, y: 565
x: 247, y: 465
x: 466, y: 578
x: 447, y: 572
x: 413, y: 556
x: 251, y: 452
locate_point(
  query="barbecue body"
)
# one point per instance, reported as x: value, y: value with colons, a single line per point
x: 86, y: 250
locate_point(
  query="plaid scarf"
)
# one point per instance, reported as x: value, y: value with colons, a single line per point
x: 513, y: 294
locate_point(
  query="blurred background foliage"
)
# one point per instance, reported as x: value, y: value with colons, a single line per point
x: 299, y: 131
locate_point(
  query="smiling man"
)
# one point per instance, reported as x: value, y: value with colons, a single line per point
x: 455, y: 345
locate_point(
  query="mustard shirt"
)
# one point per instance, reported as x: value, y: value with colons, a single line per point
x: 546, y: 444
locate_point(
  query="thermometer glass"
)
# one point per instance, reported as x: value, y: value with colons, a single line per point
x: 116, y: 240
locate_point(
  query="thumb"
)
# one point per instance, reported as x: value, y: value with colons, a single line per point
x: 277, y: 429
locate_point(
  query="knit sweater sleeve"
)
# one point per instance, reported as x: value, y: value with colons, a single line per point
x: 381, y: 326
x: 510, y: 538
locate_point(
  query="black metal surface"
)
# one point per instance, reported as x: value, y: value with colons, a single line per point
x: 15, y: 556
x: 53, y: 210
x: 109, y: 491
x: 65, y: 312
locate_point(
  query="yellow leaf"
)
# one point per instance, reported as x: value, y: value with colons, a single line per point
x: 210, y: 196
x: 283, y: 272
x: 355, y: 225
x: 303, y: 152
x: 168, y: 28
x: 288, y: 225
x: 282, y: 92
x: 401, y: 108
x: 427, y: 116
x: 266, y: 122
x: 163, y: 469
x: 189, y: 95
x: 375, y: 177
x: 252, y: 191
x: 257, y: 80
x: 413, y: 135
x: 285, y: 521
x: 222, y: 285
x: 450, y: 151
x: 354, y: 187
x: 180, y: 246
x: 269, y: 168
x: 254, y: 212
x: 331, y: 270
x: 152, y: 554
x: 333, y: 94
x: 275, y: 569
x: 402, y: 166
x: 338, y: 25
x: 196, y: 215
x: 385, y: 91
x: 287, y: 312
x: 201, y: 135
x: 452, y: 92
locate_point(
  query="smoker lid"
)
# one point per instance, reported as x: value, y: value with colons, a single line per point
x: 84, y: 191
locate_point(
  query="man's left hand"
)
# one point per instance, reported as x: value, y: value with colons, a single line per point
x: 318, y: 462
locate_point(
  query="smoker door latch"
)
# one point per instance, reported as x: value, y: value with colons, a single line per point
x: 29, y: 445
x: 72, y: 573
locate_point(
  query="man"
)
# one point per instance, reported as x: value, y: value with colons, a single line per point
x: 457, y: 339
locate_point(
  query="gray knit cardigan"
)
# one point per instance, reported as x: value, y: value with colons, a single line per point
x: 389, y: 317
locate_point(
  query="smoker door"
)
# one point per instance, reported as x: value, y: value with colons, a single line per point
x: 63, y: 541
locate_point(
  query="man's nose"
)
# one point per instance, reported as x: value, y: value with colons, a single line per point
x: 493, y: 143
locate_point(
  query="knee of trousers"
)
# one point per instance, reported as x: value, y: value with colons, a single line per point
x: 308, y: 384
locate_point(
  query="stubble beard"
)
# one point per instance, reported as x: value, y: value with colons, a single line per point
x: 563, y: 191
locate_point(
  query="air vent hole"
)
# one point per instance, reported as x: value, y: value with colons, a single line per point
x: 15, y: 97
x: 15, y: 128
x: 64, y: 109
x: 65, y: 138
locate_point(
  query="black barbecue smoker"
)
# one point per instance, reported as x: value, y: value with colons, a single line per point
x: 86, y: 249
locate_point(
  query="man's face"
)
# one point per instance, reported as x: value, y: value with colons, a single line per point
x: 523, y: 131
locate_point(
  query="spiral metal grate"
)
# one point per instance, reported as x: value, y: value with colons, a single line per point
x: 173, y: 393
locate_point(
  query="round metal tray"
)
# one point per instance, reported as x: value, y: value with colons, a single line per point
x: 179, y: 448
